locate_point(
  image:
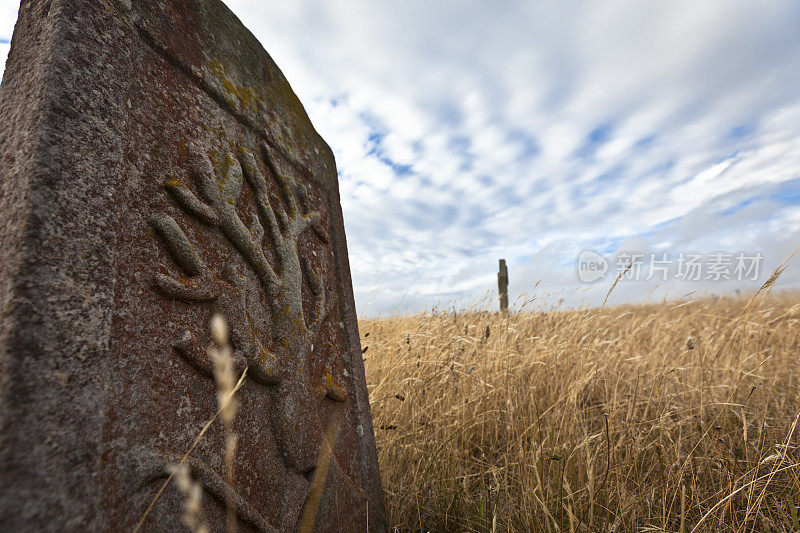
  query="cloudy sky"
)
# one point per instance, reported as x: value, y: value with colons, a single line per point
x: 467, y: 131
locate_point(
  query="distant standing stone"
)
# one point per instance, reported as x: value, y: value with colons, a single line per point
x: 156, y: 167
x: 502, y: 285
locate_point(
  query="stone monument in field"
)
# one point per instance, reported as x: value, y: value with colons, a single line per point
x: 155, y: 168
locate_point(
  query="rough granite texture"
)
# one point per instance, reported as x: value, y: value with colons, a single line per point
x: 156, y: 166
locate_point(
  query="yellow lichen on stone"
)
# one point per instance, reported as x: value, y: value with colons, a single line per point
x: 329, y: 379
x: 266, y: 356
x: 174, y: 182
x: 244, y: 96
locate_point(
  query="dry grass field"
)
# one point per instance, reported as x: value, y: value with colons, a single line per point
x: 674, y: 417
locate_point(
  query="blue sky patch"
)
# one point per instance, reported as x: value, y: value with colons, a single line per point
x: 454, y: 151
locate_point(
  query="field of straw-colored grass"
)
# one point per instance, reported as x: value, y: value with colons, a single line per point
x: 674, y: 417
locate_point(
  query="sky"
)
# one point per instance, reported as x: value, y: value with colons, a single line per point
x: 467, y: 131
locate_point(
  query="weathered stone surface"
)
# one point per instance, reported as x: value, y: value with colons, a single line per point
x: 155, y: 166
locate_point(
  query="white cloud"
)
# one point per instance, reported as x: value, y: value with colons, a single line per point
x: 8, y: 16
x: 465, y: 131
x: 4, y: 48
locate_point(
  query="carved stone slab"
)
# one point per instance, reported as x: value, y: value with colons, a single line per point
x: 155, y: 166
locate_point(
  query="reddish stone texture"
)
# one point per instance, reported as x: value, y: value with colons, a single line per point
x: 157, y: 167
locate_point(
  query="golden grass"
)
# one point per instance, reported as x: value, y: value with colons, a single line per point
x: 591, y: 420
